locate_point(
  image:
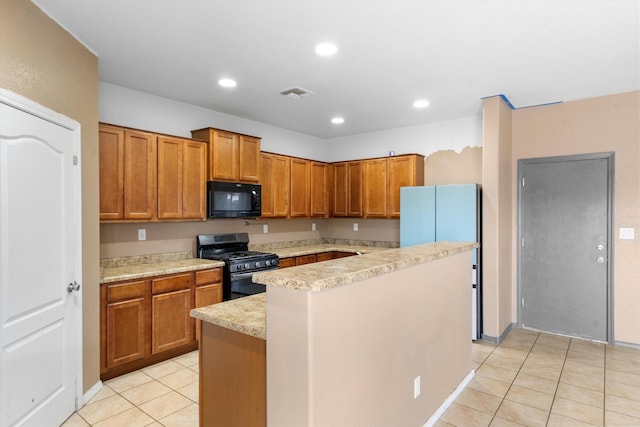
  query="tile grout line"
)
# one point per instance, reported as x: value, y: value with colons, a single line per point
x: 512, y: 381
x: 555, y: 393
x: 138, y: 406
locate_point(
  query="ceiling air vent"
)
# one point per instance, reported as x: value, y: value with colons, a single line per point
x: 296, y: 93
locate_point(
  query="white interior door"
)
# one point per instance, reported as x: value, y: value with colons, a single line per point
x: 40, y: 255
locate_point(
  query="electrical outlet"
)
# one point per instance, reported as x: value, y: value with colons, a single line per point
x: 313, y: 226
x: 142, y: 234
x: 265, y: 228
x: 355, y: 226
x: 416, y: 387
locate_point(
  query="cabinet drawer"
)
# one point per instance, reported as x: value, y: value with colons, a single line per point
x: 325, y: 256
x: 126, y: 291
x: 305, y: 259
x: 287, y: 262
x: 204, y: 277
x: 169, y: 284
x: 339, y: 254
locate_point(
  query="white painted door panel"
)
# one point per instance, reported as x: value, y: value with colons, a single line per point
x: 38, y: 259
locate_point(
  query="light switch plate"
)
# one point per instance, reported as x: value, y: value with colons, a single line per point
x: 627, y: 233
x: 142, y: 234
x: 265, y: 228
x: 355, y: 226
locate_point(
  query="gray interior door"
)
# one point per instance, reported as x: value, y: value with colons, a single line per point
x: 564, y: 254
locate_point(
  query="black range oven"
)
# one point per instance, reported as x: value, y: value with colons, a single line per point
x: 239, y: 262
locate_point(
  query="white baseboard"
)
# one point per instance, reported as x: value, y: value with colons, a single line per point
x: 95, y: 389
x: 452, y: 397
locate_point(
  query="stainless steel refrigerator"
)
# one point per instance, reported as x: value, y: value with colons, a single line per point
x: 446, y: 213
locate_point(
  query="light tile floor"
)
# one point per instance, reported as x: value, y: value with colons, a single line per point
x: 539, y: 379
x: 164, y: 394
x: 530, y: 379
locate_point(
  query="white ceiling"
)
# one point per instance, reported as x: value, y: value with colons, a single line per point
x: 451, y: 52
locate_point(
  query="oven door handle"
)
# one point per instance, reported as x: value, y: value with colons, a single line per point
x: 242, y: 276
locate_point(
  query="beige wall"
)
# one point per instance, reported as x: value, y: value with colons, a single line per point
x: 450, y: 167
x: 348, y: 356
x: 609, y: 123
x: 118, y: 240
x: 41, y: 61
x: 496, y: 217
x: 121, y: 239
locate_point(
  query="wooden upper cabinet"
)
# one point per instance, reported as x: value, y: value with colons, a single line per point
x: 402, y: 171
x: 339, y: 193
x: 127, y: 174
x: 169, y: 178
x: 194, y: 180
x: 375, y: 188
x: 139, y: 175
x: 319, y: 197
x: 300, y: 170
x: 276, y: 182
x: 148, y: 177
x: 347, y: 189
x: 354, y: 189
x: 181, y: 179
x: 111, y: 143
x: 248, y: 158
x: 223, y: 157
x: 232, y: 157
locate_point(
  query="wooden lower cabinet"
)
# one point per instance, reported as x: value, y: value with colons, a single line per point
x: 233, y: 378
x: 208, y: 292
x: 146, y: 321
x: 325, y: 256
x: 287, y: 262
x: 171, y: 324
x: 124, y: 323
x: 306, y: 259
x: 310, y: 259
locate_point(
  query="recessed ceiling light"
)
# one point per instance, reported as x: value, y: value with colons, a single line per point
x: 421, y: 103
x: 337, y: 120
x: 227, y: 83
x: 326, y: 49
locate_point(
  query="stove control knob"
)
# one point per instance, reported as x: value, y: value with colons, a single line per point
x: 246, y: 265
x: 257, y: 264
x: 268, y: 263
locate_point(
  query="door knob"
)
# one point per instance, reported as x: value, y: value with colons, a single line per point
x: 599, y: 246
x: 600, y: 260
x: 75, y: 286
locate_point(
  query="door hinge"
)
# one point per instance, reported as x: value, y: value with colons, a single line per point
x: 75, y: 160
x: 523, y: 181
x: 522, y: 243
x: 522, y: 302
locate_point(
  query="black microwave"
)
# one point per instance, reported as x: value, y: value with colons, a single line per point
x: 233, y: 200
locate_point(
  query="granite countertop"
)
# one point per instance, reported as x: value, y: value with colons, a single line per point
x: 139, y: 271
x: 246, y: 315
x: 324, y: 247
x: 343, y: 271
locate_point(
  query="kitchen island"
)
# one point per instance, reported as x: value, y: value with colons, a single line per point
x: 379, y: 339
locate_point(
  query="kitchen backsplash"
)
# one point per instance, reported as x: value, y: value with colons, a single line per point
x: 297, y: 243
x: 143, y: 259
